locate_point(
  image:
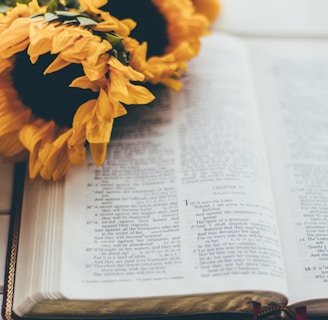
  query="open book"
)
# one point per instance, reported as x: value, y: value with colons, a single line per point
x: 210, y: 199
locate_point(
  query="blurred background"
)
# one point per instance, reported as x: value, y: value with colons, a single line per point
x: 304, y: 18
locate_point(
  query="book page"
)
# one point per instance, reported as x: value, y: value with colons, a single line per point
x: 293, y: 82
x: 39, y: 249
x: 183, y: 203
x: 279, y: 18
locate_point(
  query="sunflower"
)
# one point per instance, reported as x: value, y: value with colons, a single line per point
x: 209, y: 8
x: 166, y: 37
x: 64, y: 78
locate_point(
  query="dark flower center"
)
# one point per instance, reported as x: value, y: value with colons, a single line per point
x: 151, y: 25
x: 49, y: 96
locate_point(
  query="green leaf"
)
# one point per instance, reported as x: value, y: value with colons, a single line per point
x: 118, y: 50
x: 4, y: 8
x: 115, y: 40
x: 124, y: 57
x: 5, y: 5
x: 52, y: 6
x: 48, y: 16
x: 85, y: 21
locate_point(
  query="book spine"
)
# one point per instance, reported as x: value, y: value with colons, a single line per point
x: 16, y: 206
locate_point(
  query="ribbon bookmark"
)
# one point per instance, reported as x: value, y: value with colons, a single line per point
x: 278, y: 313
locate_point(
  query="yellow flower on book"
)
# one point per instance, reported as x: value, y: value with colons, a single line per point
x: 63, y: 80
x: 209, y: 8
x: 166, y: 37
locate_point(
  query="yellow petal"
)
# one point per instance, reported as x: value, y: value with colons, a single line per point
x: 107, y: 108
x: 76, y: 154
x: 18, y: 47
x: 118, y: 85
x: 104, y: 111
x: 56, y: 65
x: 98, y: 152
x: 139, y: 57
x: 172, y: 83
x: 138, y: 95
x: 64, y: 39
x: 10, y: 144
x: 34, y: 164
x: 133, y: 94
x: 31, y: 134
x: 93, y: 3
x: 96, y: 50
x: 57, y: 165
x: 15, y: 38
x: 210, y: 8
x: 14, y: 120
x: 5, y: 64
x: 130, y: 73
x: 95, y: 71
x: 79, y: 51
x: 55, y: 157
x: 84, y: 113
x: 84, y: 83
x: 98, y: 131
x: 34, y: 136
x: 39, y: 42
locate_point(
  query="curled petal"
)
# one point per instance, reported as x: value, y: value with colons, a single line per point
x: 97, y: 71
x: 65, y: 38
x: 130, y: 73
x: 99, y: 131
x: 34, y: 136
x: 76, y: 154
x: 98, y: 152
x: 15, y: 38
x: 107, y: 109
x: 10, y: 145
x: 56, y: 65
x: 135, y: 95
x: 98, y: 136
x: 84, y: 113
x: 84, y: 83
x: 13, y: 121
x: 55, y: 158
x: 40, y: 41
x: 209, y: 8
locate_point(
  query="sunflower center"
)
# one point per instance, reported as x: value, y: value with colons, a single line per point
x: 151, y: 25
x: 49, y: 96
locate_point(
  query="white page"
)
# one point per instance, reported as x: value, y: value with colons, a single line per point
x: 293, y: 98
x: 298, y: 18
x: 98, y: 234
x: 38, y: 258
